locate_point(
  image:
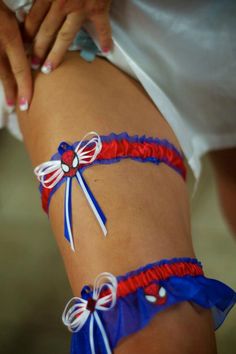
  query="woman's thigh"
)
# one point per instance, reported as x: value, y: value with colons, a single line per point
x: 146, y: 205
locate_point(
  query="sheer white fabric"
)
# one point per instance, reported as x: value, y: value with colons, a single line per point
x: 184, y: 54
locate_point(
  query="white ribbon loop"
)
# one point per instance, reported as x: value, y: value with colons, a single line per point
x: 75, y: 316
x: 89, y: 151
x: 99, y: 284
x: 51, y: 168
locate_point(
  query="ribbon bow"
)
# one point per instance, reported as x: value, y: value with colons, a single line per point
x: 75, y: 317
x: 51, y: 172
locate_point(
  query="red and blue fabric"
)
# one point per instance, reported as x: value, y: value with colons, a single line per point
x: 118, y: 306
x: 72, y: 160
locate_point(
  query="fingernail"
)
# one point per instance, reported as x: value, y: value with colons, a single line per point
x: 23, y: 104
x: 10, y: 105
x: 10, y: 102
x: 35, y: 63
x: 20, y: 15
x: 106, y: 50
x: 47, y: 67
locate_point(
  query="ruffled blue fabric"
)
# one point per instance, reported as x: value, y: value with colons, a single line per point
x: 134, y: 312
x: 132, y: 139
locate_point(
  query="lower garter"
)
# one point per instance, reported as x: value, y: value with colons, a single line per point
x: 118, y: 306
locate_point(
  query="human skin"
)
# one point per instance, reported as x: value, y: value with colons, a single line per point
x: 147, y: 206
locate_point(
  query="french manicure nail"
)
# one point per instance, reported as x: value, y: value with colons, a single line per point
x: 106, y: 50
x: 35, y: 63
x: 23, y: 104
x: 10, y: 102
x: 20, y: 15
x: 47, y: 67
x: 10, y: 105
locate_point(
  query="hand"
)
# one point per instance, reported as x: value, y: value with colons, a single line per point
x: 53, y: 26
x: 14, y: 67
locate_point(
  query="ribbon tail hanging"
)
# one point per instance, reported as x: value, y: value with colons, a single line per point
x: 68, y: 213
x: 103, y: 333
x: 91, y: 340
x: 101, y: 218
x: 95, y: 317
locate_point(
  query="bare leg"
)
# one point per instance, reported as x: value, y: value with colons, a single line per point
x: 146, y: 206
x: 224, y: 162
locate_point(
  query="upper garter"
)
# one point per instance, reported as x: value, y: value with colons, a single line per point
x: 71, y: 160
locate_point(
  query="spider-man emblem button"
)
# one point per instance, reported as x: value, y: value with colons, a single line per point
x: 155, y: 294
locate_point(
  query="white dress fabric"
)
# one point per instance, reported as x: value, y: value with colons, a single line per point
x: 184, y: 54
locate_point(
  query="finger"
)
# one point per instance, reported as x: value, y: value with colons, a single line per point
x: 102, y: 26
x: 48, y: 30
x: 64, y: 38
x: 35, y: 17
x: 8, y: 82
x: 14, y: 49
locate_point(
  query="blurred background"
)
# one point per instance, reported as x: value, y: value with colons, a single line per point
x: 34, y: 288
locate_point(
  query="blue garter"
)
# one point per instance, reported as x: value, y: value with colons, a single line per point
x: 119, y: 306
